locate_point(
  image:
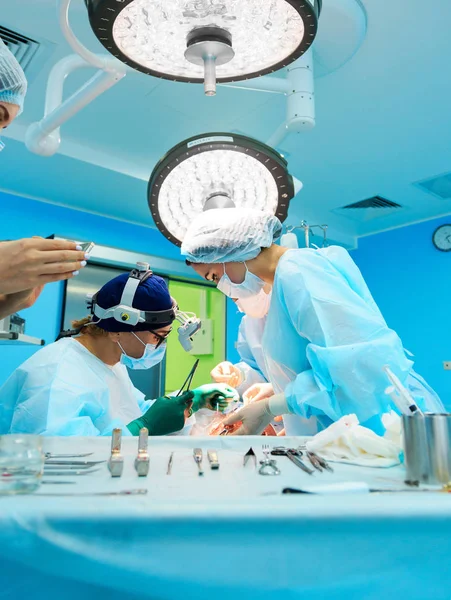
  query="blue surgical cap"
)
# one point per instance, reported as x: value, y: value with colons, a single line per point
x: 224, y: 235
x: 151, y: 295
x: 13, y: 83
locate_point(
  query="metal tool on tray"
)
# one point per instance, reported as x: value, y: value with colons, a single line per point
x: 213, y: 459
x: 69, y: 465
x: 86, y: 464
x: 116, y: 462
x: 142, y: 460
x: 197, y: 454
x: 319, y: 463
x: 68, y: 472
x: 171, y: 460
x: 268, y: 465
x: 139, y: 492
x: 294, y: 455
x: 250, y: 455
x: 57, y: 482
x: 50, y: 455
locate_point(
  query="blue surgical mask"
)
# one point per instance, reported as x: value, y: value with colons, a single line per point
x: 251, y: 286
x: 151, y: 356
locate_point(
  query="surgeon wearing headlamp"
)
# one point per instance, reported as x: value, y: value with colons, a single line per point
x: 79, y: 385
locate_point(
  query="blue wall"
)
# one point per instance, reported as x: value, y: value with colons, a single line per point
x: 411, y: 282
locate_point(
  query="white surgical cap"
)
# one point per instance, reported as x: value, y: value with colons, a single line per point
x: 13, y: 83
x: 229, y: 235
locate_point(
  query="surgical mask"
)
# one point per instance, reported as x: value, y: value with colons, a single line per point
x: 257, y: 306
x: 151, y: 356
x: 251, y: 286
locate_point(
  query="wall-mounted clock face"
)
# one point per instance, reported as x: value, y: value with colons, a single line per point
x: 442, y: 238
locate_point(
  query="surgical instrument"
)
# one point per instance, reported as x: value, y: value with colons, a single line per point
x: 294, y: 456
x: 142, y: 460
x: 197, y: 454
x: 189, y: 379
x: 171, y: 458
x: 213, y: 458
x: 319, y: 463
x: 139, y: 492
x: 404, y: 402
x: 49, y: 455
x: 250, y: 454
x: 116, y: 462
x: 268, y: 466
x: 66, y: 473
x: 357, y: 487
x: 58, y: 481
x: 78, y: 463
x: 68, y: 466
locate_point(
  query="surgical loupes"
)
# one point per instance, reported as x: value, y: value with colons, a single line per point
x: 142, y: 460
x: 116, y: 462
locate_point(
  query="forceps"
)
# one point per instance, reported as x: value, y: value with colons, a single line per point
x: 68, y: 473
x: 318, y: 462
x: 294, y: 456
x: 77, y: 464
x: 49, y: 455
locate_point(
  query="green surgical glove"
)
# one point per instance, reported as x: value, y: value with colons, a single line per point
x: 166, y: 415
x: 214, y: 396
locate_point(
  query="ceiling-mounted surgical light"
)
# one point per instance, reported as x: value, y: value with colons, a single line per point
x: 206, y: 41
x: 217, y: 170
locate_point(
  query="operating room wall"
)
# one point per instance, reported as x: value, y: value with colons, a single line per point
x: 22, y: 217
x: 411, y: 282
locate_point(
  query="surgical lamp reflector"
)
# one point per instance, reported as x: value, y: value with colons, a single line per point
x: 216, y: 170
x: 197, y: 40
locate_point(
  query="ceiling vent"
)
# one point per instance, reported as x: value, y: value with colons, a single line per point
x: 369, y: 209
x: 439, y: 186
x: 23, y: 47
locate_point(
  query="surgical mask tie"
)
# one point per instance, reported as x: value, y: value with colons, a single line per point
x: 150, y: 357
x: 251, y: 286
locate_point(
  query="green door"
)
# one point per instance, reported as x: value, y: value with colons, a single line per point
x: 210, y: 306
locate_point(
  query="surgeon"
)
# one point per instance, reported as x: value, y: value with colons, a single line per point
x: 27, y: 265
x: 80, y: 385
x: 325, y: 341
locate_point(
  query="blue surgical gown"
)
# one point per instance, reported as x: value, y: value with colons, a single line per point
x: 249, y: 347
x: 64, y: 389
x: 326, y: 342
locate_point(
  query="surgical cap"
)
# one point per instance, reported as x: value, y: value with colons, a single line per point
x: 151, y: 295
x: 223, y: 235
x: 13, y: 83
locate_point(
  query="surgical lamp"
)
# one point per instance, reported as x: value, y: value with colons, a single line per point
x: 217, y: 170
x: 197, y: 41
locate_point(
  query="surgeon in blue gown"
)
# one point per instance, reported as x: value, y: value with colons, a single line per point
x: 325, y: 341
x: 80, y: 385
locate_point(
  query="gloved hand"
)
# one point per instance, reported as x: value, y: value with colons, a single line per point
x: 258, y: 391
x: 166, y: 415
x: 214, y: 396
x: 227, y: 373
x: 256, y: 417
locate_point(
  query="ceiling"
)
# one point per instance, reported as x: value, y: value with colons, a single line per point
x: 382, y: 120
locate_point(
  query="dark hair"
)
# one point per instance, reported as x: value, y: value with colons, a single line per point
x: 187, y: 262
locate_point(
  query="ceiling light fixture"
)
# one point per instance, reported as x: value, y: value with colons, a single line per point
x: 205, y: 41
x: 217, y: 170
